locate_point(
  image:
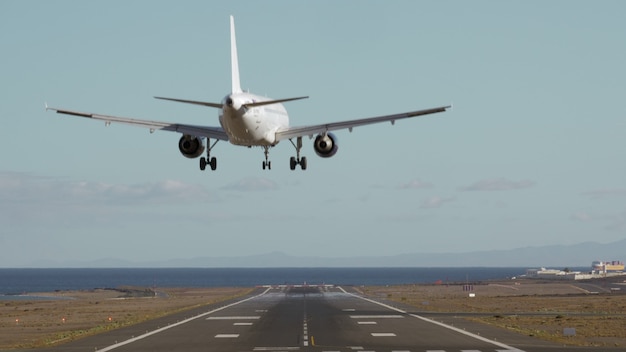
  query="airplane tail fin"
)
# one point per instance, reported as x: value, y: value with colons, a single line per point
x: 234, y: 62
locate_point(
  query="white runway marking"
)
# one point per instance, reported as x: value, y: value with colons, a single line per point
x: 367, y: 323
x: 377, y: 316
x: 276, y: 348
x: 349, y: 310
x: 383, y: 334
x: 226, y: 336
x: 242, y: 324
x: 235, y: 318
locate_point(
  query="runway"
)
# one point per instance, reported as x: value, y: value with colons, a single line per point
x: 325, y: 319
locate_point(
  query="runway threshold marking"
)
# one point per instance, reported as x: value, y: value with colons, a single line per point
x: 140, y: 337
x: 499, y: 344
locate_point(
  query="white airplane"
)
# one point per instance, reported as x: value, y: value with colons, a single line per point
x: 250, y: 120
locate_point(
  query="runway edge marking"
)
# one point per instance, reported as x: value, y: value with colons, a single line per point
x: 467, y: 333
x: 140, y: 337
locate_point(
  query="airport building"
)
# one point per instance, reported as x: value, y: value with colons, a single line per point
x: 599, y: 269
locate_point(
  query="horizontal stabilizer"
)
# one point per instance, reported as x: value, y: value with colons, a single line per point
x: 270, y: 102
x: 203, y: 103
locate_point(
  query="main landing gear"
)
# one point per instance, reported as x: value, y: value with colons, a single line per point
x: 267, y: 164
x: 297, y: 160
x: 211, y: 161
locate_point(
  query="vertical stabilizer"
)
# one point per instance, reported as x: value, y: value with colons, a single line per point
x: 234, y: 62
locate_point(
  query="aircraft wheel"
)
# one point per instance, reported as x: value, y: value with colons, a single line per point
x: 292, y: 163
x: 202, y: 163
x: 264, y: 165
x: 213, y: 163
x: 303, y: 163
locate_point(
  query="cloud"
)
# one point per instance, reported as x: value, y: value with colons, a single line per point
x: 610, y: 222
x: 416, y: 184
x: 435, y: 202
x: 498, y: 184
x: 581, y: 216
x: 252, y: 184
x: 605, y: 193
x: 23, y: 188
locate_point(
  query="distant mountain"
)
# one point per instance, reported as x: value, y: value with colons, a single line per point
x: 557, y: 256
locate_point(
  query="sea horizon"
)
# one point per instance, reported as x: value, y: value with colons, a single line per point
x: 16, y: 281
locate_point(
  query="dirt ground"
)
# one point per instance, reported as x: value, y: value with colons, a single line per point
x: 539, y: 309
x: 75, y: 314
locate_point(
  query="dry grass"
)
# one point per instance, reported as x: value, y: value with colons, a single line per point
x: 39, y: 323
x: 541, y: 310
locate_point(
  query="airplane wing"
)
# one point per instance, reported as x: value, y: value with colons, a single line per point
x: 197, y: 131
x: 292, y: 132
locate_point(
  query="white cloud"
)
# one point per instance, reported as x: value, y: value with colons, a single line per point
x: 581, y: 216
x: 498, y: 184
x: 610, y: 222
x: 24, y: 188
x: 606, y: 193
x: 416, y: 184
x: 435, y: 202
x: 252, y: 184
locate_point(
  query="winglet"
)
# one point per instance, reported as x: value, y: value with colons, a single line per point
x: 234, y: 61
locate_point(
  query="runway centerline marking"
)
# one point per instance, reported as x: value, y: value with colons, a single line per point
x: 466, y: 333
x: 367, y: 323
x: 226, y: 336
x: 242, y: 324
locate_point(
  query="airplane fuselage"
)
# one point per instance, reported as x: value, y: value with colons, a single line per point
x: 252, y: 126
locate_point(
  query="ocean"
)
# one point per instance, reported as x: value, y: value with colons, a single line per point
x: 23, y: 281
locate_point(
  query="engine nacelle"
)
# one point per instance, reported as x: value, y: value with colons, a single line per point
x: 190, y: 146
x: 325, y: 145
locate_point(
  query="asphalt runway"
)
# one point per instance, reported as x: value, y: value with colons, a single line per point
x: 306, y: 318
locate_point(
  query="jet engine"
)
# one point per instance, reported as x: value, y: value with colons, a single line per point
x: 191, y: 146
x: 325, y: 145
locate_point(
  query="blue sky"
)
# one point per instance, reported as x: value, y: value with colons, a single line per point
x: 532, y: 154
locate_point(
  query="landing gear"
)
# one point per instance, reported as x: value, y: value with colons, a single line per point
x: 211, y: 161
x: 293, y: 161
x: 267, y: 164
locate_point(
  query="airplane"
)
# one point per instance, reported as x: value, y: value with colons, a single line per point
x: 249, y: 120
